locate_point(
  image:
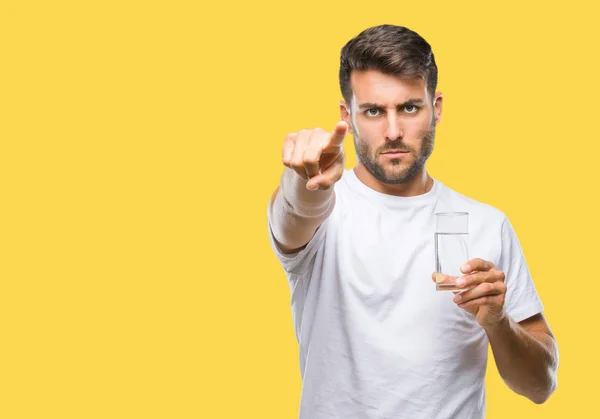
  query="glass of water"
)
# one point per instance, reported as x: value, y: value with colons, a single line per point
x: 451, y: 248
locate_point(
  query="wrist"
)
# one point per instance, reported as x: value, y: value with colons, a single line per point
x: 301, y: 201
x: 498, y: 326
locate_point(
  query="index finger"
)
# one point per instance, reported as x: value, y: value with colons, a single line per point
x: 476, y: 265
x: 337, y: 136
x: 474, y: 279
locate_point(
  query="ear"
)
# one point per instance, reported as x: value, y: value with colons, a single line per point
x: 437, y: 107
x: 345, y: 116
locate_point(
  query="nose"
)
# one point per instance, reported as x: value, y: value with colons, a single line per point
x: 394, y: 129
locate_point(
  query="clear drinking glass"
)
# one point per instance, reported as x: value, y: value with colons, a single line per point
x: 451, y: 248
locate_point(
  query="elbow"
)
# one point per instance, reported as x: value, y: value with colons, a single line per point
x: 541, y: 398
x: 548, y: 385
x: 538, y: 391
x: 543, y: 393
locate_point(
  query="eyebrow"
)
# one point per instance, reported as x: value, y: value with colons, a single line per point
x: 414, y: 102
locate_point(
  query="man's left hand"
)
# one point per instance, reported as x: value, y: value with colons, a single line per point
x: 484, y: 292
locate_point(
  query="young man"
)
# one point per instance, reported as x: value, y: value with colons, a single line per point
x: 376, y: 339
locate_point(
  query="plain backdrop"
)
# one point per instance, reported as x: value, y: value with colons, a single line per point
x: 140, y: 142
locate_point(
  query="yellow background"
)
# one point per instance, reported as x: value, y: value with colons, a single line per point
x: 140, y: 142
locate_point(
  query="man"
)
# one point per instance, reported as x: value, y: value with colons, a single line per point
x: 376, y: 339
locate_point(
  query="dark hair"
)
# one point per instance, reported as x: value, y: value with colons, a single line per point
x: 392, y: 50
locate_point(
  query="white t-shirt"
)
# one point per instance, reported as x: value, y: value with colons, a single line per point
x: 376, y: 339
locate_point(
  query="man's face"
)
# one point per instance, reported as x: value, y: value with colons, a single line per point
x: 393, y: 122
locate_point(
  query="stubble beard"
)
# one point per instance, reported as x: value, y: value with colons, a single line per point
x: 396, y: 176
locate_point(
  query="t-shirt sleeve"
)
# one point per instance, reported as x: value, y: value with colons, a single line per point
x: 299, y: 262
x: 522, y: 300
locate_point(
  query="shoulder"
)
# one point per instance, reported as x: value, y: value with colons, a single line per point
x: 450, y: 200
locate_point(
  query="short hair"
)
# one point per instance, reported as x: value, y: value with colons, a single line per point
x: 390, y: 49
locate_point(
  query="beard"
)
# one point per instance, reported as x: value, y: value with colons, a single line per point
x: 394, y: 175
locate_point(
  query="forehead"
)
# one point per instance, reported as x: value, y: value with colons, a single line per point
x: 376, y: 87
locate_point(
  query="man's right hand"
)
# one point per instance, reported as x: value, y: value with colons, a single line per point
x: 316, y: 155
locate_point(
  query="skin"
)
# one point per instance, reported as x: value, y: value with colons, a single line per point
x: 388, y: 113
x: 314, y: 161
x: 526, y: 353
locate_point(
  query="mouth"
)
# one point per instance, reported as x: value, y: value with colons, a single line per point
x: 394, y: 153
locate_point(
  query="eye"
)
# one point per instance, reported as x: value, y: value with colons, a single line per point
x: 372, y: 112
x: 411, y: 108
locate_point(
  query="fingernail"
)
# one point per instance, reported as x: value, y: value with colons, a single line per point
x: 465, y: 268
x: 460, y: 282
x: 312, y: 188
x: 457, y: 298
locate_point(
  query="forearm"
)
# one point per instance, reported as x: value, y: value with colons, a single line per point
x: 526, y: 360
x: 296, y: 212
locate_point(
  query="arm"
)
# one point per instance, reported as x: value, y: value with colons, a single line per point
x: 296, y: 212
x: 526, y: 356
x: 314, y: 161
x: 526, y: 353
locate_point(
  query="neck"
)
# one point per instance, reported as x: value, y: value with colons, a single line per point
x: 419, y: 184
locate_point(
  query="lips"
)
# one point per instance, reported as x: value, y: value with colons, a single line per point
x: 395, y: 152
